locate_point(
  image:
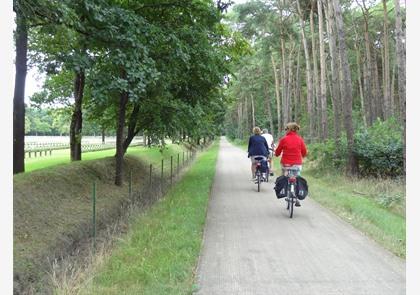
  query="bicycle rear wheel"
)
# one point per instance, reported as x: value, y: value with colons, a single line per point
x: 258, y: 181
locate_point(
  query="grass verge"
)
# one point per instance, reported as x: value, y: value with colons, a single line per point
x: 52, y: 207
x: 358, y: 201
x: 160, y: 252
x: 374, y: 206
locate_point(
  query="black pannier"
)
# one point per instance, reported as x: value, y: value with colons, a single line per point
x: 301, y: 188
x: 281, y: 187
x: 264, y: 166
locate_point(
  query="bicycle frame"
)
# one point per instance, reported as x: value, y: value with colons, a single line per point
x: 291, y: 188
x: 260, y: 177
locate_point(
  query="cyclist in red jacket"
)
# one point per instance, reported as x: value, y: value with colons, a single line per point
x: 292, y: 149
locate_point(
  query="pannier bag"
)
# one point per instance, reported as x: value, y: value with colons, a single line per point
x: 281, y: 187
x: 264, y: 166
x: 301, y: 188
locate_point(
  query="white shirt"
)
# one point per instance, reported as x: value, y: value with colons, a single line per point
x: 269, y: 138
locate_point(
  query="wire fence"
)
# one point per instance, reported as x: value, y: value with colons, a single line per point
x: 144, y: 190
x: 42, y: 150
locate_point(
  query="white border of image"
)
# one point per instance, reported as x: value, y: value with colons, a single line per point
x: 6, y: 151
x: 413, y: 115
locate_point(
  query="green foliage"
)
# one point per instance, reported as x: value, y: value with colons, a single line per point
x: 172, y: 59
x: 54, y: 121
x: 328, y: 154
x: 379, y: 149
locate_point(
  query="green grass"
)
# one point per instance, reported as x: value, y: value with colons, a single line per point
x: 160, y: 252
x: 382, y: 223
x: 52, y: 206
x: 374, y: 206
x: 61, y: 157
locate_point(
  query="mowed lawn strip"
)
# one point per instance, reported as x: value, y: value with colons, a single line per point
x: 62, y: 157
x: 160, y: 252
x: 336, y: 192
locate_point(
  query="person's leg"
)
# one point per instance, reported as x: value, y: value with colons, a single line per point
x: 253, y: 167
x: 300, y: 170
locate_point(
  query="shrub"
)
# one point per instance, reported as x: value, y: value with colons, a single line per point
x: 327, y: 154
x: 379, y: 149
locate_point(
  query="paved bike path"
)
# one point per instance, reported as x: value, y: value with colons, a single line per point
x: 251, y: 246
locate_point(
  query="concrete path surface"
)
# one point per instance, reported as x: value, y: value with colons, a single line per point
x: 251, y: 246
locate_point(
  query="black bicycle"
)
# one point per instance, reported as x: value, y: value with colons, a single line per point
x: 291, y: 197
x: 260, y: 176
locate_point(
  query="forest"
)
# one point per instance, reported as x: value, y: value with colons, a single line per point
x: 194, y: 70
x: 335, y: 67
x: 151, y: 67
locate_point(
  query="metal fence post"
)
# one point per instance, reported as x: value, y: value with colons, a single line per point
x: 161, y: 176
x: 130, y: 185
x: 171, y: 168
x: 94, y: 214
x: 177, y: 165
x: 150, y: 176
x: 161, y: 170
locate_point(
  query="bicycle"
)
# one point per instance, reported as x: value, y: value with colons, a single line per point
x: 259, y: 175
x: 291, y: 197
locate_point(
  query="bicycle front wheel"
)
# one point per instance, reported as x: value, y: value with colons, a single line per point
x: 291, y: 203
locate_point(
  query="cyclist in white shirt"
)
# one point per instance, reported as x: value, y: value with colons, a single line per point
x: 269, y: 138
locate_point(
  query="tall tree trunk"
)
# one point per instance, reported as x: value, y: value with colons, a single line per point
x: 335, y: 91
x: 309, y: 85
x: 132, y: 130
x: 297, y: 88
x: 392, y: 91
x: 387, y: 96
x: 346, y: 89
x: 268, y: 107
x: 377, y: 105
x: 119, y: 157
x: 359, y: 80
x: 19, y: 93
x: 76, y: 119
x: 369, y: 94
x: 384, y: 88
x: 253, y: 111
x: 246, y: 130
x: 277, y: 85
x: 323, y: 88
x: 283, y: 82
x: 400, y: 60
x: 103, y: 134
x: 289, y: 88
x: 315, y: 70
x: 240, y: 134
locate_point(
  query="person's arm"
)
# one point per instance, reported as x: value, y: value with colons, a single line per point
x: 303, y: 149
x: 266, y: 146
x: 279, y: 149
x: 249, y: 144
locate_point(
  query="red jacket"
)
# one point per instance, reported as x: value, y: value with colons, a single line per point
x: 293, y: 148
